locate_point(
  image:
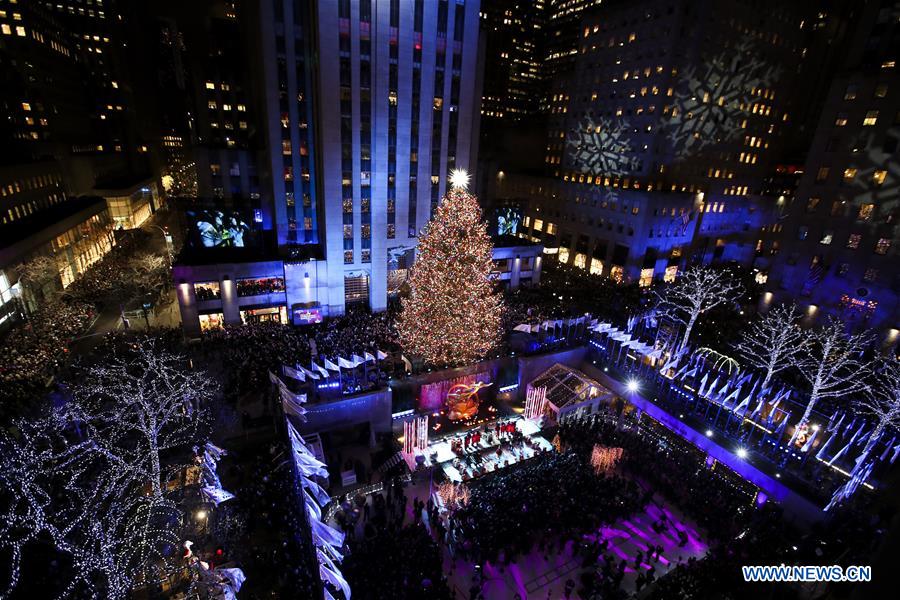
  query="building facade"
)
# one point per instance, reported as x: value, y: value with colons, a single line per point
x: 837, y: 252
x: 663, y: 123
x: 361, y: 109
x: 514, y: 41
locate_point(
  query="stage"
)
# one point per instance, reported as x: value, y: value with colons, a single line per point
x: 472, y: 452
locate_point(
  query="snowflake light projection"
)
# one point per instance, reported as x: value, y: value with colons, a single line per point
x: 601, y: 147
x: 711, y: 101
x: 876, y: 176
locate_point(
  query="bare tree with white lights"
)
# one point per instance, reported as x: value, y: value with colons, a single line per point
x: 144, y: 403
x: 835, y: 365
x: 693, y: 293
x: 773, y: 342
x: 87, y: 477
x: 882, y: 401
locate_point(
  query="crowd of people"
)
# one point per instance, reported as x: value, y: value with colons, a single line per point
x: 390, y: 559
x: 554, y: 497
x: 718, y: 503
x: 262, y: 529
x: 35, y: 350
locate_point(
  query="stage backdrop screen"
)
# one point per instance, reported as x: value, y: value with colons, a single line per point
x: 432, y: 396
x: 211, y: 228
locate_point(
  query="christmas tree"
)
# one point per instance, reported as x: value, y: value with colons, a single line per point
x: 452, y: 314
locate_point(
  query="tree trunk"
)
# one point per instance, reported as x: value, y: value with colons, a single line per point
x: 154, y: 462
x: 766, y: 380
x: 813, y: 400
x: 687, y: 335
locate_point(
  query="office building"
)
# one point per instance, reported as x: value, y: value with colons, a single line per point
x: 364, y: 107
x: 661, y: 134
x: 838, y: 248
x: 514, y: 40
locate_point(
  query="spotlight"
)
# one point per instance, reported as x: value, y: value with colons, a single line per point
x: 632, y: 385
x: 709, y: 433
x: 742, y: 453
x: 201, y: 514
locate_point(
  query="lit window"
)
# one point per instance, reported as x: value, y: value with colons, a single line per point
x: 827, y: 236
x: 241, y: 107
x: 870, y: 275
x: 822, y: 174
x: 881, y: 91
x: 802, y: 232
x: 849, y: 175
x: 871, y: 117
x: 811, y: 204
x: 211, y: 104
x: 853, y: 241
x: 286, y: 147
x: 646, y: 278
x: 841, y: 120
x: 865, y: 212
x: 596, y: 266
x: 580, y: 261
x: 538, y: 225
x: 879, y: 176
x: 20, y: 31
x: 210, y: 85
x: 7, y: 30
x: 882, y: 246
x: 850, y: 94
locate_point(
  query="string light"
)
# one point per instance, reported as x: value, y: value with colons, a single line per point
x: 453, y: 313
x: 86, y: 477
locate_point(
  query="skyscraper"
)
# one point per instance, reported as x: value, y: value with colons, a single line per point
x: 365, y: 107
x: 661, y: 133
x: 838, y: 247
x: 514, y: 39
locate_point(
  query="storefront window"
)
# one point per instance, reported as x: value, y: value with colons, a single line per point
x: 262, y: 285
x: 646, y: 278
x: 211, y: 321
x: 207, y: 290
x: 274, y: 314
x: 671, y: 273
x: 617, y: 274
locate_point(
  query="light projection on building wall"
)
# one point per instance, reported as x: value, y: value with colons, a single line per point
x: 601, y: 147
x: 876, y: 172
x: 713, y: 99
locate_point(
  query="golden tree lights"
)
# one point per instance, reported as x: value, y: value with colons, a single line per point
x: 452, y: 314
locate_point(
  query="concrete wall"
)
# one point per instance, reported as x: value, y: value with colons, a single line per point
x: 373, y: 408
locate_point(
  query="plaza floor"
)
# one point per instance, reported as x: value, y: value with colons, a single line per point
x: 542, y: 575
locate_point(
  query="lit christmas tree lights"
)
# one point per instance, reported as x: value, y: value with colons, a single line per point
x: 452, y: 314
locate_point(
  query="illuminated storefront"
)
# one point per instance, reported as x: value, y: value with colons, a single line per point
x: 273, y: 314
